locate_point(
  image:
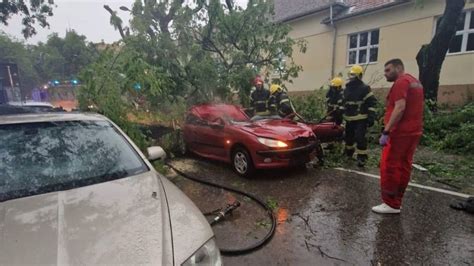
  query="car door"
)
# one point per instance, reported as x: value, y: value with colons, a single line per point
x: 211, y: 138
x: 191, y: 132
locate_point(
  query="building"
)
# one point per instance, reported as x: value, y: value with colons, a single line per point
x: 340, y: 33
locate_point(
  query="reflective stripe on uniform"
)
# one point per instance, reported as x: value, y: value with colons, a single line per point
x: 261, y: 102
x: 355, y: 103
x: 372, y: 109
x: 355, y: 117
x: 362, y: 152
x: 350, y: 147
x: 370, y: 94
x: 284, y: 101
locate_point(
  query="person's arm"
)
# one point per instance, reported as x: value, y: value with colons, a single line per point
x: 396, y: 116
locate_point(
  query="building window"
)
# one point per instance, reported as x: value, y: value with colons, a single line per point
x: 363, y: 47
x: 463, y: 41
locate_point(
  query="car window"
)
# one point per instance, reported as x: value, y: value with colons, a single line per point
x: 194, y: 120
x: 43, y: 157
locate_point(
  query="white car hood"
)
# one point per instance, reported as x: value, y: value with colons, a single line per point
x: 125, y: 221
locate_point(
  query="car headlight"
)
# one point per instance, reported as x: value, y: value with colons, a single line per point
x: 273, y: 143
x: 208, y: 254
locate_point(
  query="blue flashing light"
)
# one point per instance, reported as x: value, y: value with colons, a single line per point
x: 137, y: 86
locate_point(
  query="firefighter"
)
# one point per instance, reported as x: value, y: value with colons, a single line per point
x: 359, y: 113
x: 334, y: 101
x: 259, y: 98
x: 279, y: 103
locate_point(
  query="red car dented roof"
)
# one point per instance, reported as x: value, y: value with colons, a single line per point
x: 211, y: 112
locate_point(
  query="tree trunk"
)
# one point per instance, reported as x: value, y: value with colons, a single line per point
x: 431, y: 56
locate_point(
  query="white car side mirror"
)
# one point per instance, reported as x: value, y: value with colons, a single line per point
x: 156, y: 153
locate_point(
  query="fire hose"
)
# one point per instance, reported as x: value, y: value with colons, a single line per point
x: 222, y: 213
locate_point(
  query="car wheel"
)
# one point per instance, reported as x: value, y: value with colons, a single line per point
x: 242, y: 162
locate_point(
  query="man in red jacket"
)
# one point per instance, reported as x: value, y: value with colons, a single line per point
x: 403, y: 129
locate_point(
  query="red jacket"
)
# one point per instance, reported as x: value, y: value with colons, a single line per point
x: 409, y: 88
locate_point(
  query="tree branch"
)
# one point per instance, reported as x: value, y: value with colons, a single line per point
x: 115, y: 21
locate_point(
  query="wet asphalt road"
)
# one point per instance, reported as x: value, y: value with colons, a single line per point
x: 324, y: 218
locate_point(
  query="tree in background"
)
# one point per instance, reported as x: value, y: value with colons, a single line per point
x: 13, y: 51
x: 62, y: 58
x: 431, y: 56
x: 58, y: 58
x: 209, y: 49
x: 32, y: 11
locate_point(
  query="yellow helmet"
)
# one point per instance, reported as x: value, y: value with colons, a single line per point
x: 337, y: 82
x: 274, y: 88
x: 356, y: 70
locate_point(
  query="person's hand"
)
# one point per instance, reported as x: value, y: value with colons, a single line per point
x: 383, y: 141
x: 290, y: 116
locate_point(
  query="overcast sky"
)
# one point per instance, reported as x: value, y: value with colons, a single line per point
x: 87, y: 17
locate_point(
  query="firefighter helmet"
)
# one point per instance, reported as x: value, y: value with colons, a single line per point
x: 258, y: 80
x: 274, y: 88
x: 336, y: 82
x: 356, y: 70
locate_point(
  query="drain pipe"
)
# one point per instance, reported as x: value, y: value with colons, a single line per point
x: 333, y: 59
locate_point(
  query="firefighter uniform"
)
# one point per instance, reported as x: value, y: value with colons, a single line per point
x: 359, y: 113
x: 279, y: 103
x: 334, y: 98
x: 259, y: 100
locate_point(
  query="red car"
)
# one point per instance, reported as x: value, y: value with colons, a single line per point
x: 224, y: 132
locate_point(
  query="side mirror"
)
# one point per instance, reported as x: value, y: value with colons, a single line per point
x: 156, y: 153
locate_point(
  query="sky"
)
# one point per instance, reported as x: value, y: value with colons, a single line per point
x: 87, y: 17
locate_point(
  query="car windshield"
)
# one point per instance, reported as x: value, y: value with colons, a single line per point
x: 44, y: 157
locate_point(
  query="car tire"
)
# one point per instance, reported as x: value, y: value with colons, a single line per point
x: 242, y: 162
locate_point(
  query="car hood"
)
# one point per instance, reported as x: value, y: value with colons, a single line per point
x: 123, y: 221
x: 277, y: 129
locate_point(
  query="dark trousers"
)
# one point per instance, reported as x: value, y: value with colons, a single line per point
x: 356, y: 140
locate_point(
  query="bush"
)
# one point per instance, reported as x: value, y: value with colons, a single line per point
x: 311, y: 107
x: 450, y: 131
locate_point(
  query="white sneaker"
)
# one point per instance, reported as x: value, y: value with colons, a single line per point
x: 384, y: 208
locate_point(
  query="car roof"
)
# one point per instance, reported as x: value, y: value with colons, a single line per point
x: 212, y: 111
x: 49, y: 117
x: 31, y: 103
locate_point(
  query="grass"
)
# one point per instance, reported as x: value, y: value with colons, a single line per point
x: 272, y: 203
x: 455, y: 171
x: 160, y: 167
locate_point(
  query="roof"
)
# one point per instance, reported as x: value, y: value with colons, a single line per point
x: 50, y: 117
x: 360, y: 7
x: 290, y: 10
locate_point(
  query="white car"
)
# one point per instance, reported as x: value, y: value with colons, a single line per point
x: 74, y: 189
